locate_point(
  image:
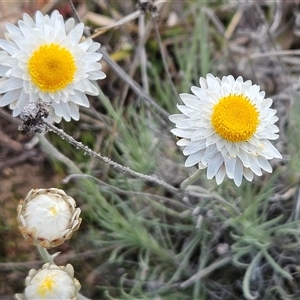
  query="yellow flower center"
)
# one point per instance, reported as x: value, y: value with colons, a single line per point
x: 235, y: 118
x: 53, y: 210
x: 46, y: 286
x: 51, y: 67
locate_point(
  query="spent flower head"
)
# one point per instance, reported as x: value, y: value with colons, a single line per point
x: 226, y: 127
x: 51, y: 282
x: 48, y: 217
x: 46, y: 59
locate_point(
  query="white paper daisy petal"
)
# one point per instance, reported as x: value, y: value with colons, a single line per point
x: 28, y: 20
x: 194, y: 147
x: 177, y: 118
x: 74, y: 111
x: 4, y: 70
x: 184, y: 133
x: 213, y: 168
x: 220, y: 175
x: 238, y: 175
x: 183, y: 142
x: 248, y: 174
x: 230, y: 166
x: 193, y: 159
x: 9, y: 47
x: 94, y: 47
x: 95, y: 75
x: 212, y: 84
x: 76, y: 33
x: 9, y: 97
x: 264, y: 164
x: 190, y: 100
x: 70, y: 23
x: 200, y: 93
x: 80, y: 98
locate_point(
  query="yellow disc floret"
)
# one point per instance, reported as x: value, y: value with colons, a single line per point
x: 51, y: 67
x: 53, y: 211
x: 235, y: 118
x: 46, y: 286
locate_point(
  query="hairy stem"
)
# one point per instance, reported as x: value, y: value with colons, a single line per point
x: 45, y: 255
x: 90, y: 152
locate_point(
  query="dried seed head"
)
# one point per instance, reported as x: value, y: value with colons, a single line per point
x: 32, y: 117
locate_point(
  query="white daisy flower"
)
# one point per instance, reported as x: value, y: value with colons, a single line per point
x: 46, y: 59
x: 226, y: 127
x: 48, y: 217
x: 51, y: 282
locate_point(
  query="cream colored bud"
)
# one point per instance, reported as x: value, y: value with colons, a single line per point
x: 51, y: 282
x: 48, y: 217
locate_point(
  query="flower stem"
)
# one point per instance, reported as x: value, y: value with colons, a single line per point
x: 133, y: 84
x: 45, y: 255
x: 90, y: 152
x: 191, y: 179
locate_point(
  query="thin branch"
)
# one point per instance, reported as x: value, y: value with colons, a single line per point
x: 132, y: 83
x: 74, y: 11
x: 163, y: 57
x: 125, y: 192
x: 142, y: 53
x: 107, y: 160
x: 122, y: 74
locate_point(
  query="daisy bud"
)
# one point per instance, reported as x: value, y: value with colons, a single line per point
x: 48, y: 217
x: 51, y: 282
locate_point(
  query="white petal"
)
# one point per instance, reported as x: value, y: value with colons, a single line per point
x: 4, y: 70
x: 193, y: 159
x: 200, y: 93
x: 11, y: 84
x: 81, y: 99
x: 212, y: 83
x: 94, y: 47
x: 9, y: 47
x: 28, y: 20
x: 69, y: 25
x: 183, y: 142
x: 264, y: 164
x: 214, y: 166
x: 76, y: 34
x: 220, y: 175
x: 194, y: 147
x: 74, y: 111
x: 254, y: 166
x: 248, y: 174
x: 11, y: 28
x: 190, y: 100
x: 182, y: 133
x: 230, y: 166
x: 10, y: 97
x: 177, y: 118
x: 96, y: 75
x: 238, y: 176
